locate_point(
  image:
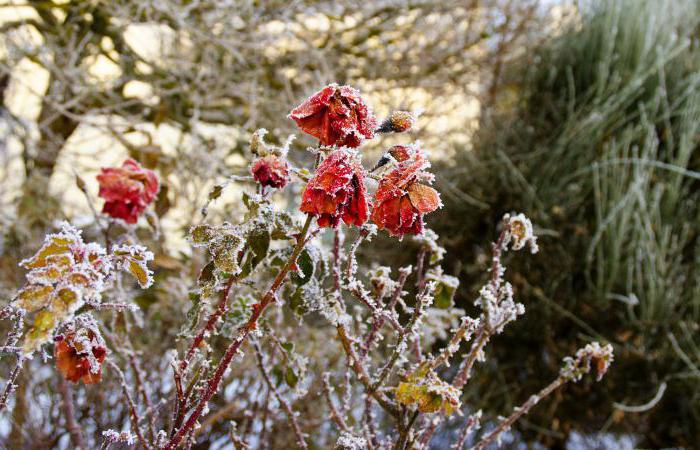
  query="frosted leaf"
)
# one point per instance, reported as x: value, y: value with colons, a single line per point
x: 65, y: 274
x: 428, y: 392
x: 520, y: 232
x: 574, y: 368
x: 428, y: 239
x: 134, y: 259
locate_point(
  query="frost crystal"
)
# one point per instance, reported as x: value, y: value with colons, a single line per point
x: 65, y: 274
x: 520, y: 232
x: 348, y: 441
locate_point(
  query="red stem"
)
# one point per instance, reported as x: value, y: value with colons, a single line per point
x: 243, y: 332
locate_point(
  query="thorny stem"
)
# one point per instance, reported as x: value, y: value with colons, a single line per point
x: 141, y: 389
x: 72, y: 426
x: 363, y: 376
x: 178, y: 372
x: 285, y: 405
x: 211, y: 322
x: 215, y: 380
x: 132, y: 407
x: 335, y: 415
x: 379, y: 320
x: 12, y: 339
x: 403, y: 337
x: 518, y: 412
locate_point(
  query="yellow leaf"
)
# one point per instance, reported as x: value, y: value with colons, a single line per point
x: 44, y: 323
x: 55, y: 245
x: 141, y: 273
x: 33, y: 297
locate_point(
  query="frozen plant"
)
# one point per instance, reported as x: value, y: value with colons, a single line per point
x: 283, y: 306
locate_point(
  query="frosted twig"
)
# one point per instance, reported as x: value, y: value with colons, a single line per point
x: 291, y: 417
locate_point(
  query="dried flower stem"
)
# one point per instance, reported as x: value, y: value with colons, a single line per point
x: 215, y: 380
x: 335, y: 415
x: 132, y: 407
x: 284, y: 403
x: 72, y: 426
x: 518, y: 412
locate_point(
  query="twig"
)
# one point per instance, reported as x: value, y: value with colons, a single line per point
x: 335, y: 416
x: 132, y: 407
x: 72, y: 426
x: 285, y: 405
x: 518, y: 412
x: 215, y: 380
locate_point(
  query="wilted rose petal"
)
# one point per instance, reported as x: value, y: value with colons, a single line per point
x: 127, y: 190
x: 336, y: 115
x: 337, y: 191
x: 401, y: 200
x: 79, y: 356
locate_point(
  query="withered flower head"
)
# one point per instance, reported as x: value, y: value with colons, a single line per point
x: 79, y: 355
x: 127, y: 190
x: 336, y: 115
x: 271, y: 171
x: 402, y: 199
x: 337, y: 191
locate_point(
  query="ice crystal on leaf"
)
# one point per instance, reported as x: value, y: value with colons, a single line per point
x: 65, y: 274
x: 428, y: 392
x: 80, y: 350
x: 593, y: 354
x: 520, y: 233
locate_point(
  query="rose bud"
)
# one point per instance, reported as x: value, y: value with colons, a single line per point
x: 271, y: 171
x: 397, y: 122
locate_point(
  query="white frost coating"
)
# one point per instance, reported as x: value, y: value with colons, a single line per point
x: 347, y: 441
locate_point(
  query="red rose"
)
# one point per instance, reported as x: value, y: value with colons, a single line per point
x: 270, y: 171
x: 79, y: 356
x: 128, y: 190
x: 336, y: 115
x: 401, y: 201
x: 337, y: 191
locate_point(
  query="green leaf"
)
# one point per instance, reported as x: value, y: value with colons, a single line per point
x: 305, y: 265
x: 259, y: 243
x: 290, y: 377
x: 288, y: 346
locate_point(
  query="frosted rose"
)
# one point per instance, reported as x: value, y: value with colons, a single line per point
x: 337, y: 191
x: 270, y: 171
x: 127, y: 190
x: 336, y: 115
x: 79, y: 356
x: 401, y: 200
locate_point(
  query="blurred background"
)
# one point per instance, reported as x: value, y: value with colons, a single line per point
x: 582, y: 115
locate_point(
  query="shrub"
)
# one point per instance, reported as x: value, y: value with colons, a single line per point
x: 269, y: 286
